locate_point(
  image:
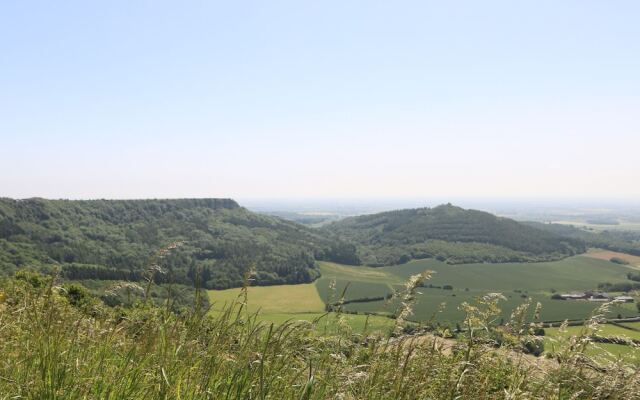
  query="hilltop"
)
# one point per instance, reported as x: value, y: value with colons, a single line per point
x: 449, y: 233
x: 116, y: 240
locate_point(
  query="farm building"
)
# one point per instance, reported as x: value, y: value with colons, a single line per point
x: 624, y: 299
x: 573, y: 296
x: 586, y: 296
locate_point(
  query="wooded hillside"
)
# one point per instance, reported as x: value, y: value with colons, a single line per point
x: 115, y: 240
x: 450, y: 234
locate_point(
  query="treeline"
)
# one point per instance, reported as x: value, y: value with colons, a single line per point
x: 614, y: 240
x: 82, y: 271
x: 619, y: 286
x: 633, y: 276
x: 450, y: 234
x: 634, y: 284
x: 118, y: 239
x: 338, y: 304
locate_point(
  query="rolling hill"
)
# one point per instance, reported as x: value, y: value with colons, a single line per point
x: 116, y: 239
x: 450, y: 234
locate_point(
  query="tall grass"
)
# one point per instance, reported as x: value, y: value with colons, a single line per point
x: 55, y: 347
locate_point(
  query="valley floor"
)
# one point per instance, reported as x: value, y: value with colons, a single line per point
x: 448, y: 288
x: 439, y: 301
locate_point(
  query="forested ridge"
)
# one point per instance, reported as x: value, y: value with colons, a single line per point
x: 614, y: 240
x: 116, y: 239
x: 450, y: 234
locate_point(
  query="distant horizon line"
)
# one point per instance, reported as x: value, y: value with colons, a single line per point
x: 352, y: 199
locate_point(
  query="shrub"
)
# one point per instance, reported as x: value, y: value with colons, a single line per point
x: 618, y: 260
x: 534, y: 346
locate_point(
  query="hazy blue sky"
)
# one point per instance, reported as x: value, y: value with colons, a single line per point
x: 320, y: 99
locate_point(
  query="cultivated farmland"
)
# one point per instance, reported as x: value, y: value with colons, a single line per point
x: 518, y: 282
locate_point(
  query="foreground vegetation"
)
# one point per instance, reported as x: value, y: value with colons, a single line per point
x: 64, y: 344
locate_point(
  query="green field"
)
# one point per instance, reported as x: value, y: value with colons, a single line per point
x: 603, y: 330
x: 291, y: 303
x: 634, y: 325
x: 536, y: 281
x: 555, y: 340
x: 362, y: 281
x: 518, y: 282
x: 301, y: 298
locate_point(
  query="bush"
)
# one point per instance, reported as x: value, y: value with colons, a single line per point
x: 618, y: 260
x: 538, y: 331
x: 534, y: 346
x: 633, y: 276
x: 77, y: 295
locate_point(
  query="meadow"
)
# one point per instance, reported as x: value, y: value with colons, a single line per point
x: 281, y: 304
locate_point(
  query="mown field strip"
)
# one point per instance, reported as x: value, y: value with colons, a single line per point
x: 273, y: 299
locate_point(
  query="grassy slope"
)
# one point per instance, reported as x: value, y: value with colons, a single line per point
x: 282, y: 303
x: 273, y: 299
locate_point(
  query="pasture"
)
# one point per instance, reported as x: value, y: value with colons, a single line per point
x: 289, y: 299
x: 293, y: 303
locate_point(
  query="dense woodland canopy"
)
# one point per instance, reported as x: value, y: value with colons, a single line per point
x: 450, y: 234
x: 116, y: 240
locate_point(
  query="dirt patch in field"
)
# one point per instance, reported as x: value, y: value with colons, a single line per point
x: 536, y: 365
x: 608, y: 255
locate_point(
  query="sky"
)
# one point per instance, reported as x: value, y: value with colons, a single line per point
x: 322, y: 99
